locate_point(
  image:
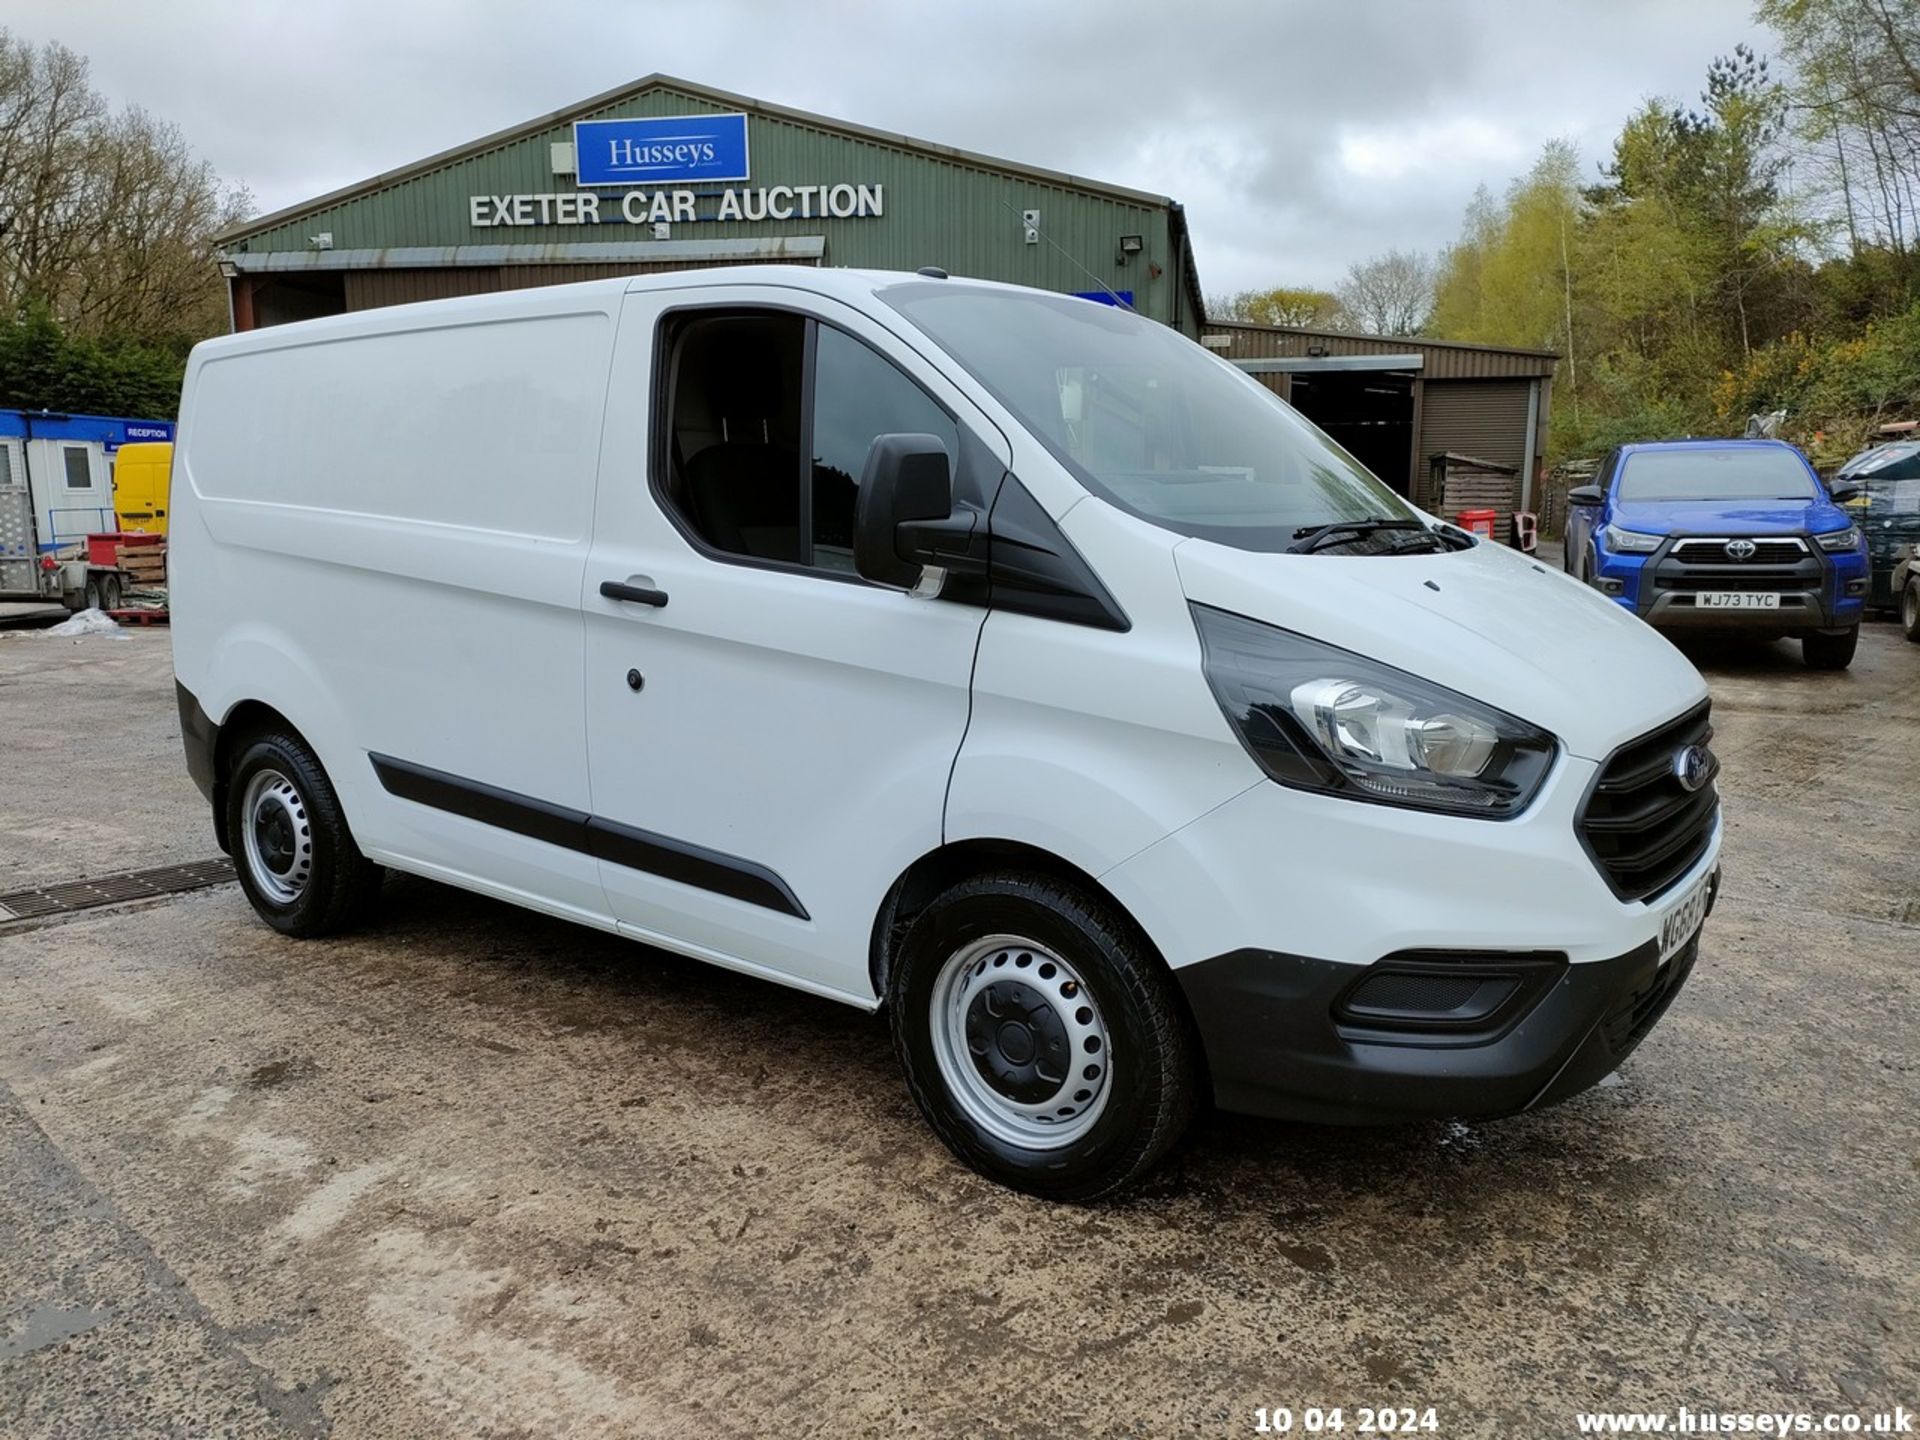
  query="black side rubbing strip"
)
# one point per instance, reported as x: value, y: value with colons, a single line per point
x: 625, y: 845
x: 692, y: 865
x: 490, y: 805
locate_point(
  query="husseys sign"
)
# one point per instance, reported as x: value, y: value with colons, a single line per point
x: 660, y: 159
x: 661, y: 150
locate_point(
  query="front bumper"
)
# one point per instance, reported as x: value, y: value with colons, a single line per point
x: 1283, y: 1037
x: 1795, y: 611
x: 1340, y: 885
x: 1817, y: 590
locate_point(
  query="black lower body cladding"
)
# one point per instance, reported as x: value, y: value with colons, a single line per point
x: 199, y: 735
x: 1290, y: 1037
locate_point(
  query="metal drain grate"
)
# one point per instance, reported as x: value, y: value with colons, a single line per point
x: 114, y: 889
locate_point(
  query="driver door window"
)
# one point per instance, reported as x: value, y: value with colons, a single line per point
x: 753, y: 392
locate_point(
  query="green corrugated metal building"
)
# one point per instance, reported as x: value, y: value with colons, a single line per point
x: 510, y: 210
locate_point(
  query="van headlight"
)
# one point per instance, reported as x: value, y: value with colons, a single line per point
x: 1319, y: 718
x: 1837, y: 540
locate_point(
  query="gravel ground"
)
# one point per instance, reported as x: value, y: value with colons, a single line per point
x: 478, y: 1173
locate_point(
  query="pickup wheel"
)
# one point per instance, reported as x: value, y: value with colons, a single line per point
x: 1910, y: 611
x: 292, y: 851
x: 1042, y: 1038
x: 1829, y: 652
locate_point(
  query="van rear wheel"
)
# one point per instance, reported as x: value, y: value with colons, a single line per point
x: 1910, y: 611
x: 292, y: 851
x: 1041, y: 1037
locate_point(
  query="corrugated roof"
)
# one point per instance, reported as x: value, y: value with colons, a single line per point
x: 1445, y: 359
x: 1418, y: 341
x: 708, y: 93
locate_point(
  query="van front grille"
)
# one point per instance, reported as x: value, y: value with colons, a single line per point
x: 1641, y: 825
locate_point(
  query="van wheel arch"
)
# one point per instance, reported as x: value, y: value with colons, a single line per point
x: 940, y: 870
x: 244, y: 721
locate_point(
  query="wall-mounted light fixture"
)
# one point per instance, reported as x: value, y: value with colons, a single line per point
x: 1317, y: 351
x: 1130, y: 246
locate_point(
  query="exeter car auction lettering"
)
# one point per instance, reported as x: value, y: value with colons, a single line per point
x: 842, y: 201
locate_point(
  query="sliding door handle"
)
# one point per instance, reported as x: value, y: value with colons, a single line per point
x: 638, y: 594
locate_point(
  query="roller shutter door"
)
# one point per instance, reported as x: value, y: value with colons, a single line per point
x: 1483, y: 418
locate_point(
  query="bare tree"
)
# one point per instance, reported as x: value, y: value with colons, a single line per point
x: 1391, y: 294
x: 105, y: 219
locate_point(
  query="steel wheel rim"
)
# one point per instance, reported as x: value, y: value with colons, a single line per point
x: 277, y: 837
x: 1020, y: 1042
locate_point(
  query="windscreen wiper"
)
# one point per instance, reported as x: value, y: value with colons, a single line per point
x: 1309, y: 538
x: 1432, y: 538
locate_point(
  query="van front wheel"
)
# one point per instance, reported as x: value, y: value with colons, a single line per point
x: 1042, y: 1039
x: 292, y: 851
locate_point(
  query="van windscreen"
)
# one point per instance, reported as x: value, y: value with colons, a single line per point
x: 1148, y: 420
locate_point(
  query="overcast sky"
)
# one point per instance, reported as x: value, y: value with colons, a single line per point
x: 1301, y: 136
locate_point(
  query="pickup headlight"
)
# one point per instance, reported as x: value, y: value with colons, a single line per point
x: 1836, y: 540
x: 1631, y: 542
x: 1319, y: 718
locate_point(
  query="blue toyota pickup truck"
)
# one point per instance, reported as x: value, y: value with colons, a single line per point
x: 1736, y: 534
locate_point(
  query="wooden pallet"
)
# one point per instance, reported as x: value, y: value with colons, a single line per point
x: 144, y: 564
x: 140, y: 617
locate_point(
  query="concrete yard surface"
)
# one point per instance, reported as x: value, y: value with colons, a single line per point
x: 474, y: 1172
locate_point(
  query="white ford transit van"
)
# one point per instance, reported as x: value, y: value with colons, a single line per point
x: 998, y: 657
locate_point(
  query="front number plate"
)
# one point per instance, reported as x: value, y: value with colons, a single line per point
x: 1737, y: 600
x: 1679, y: 923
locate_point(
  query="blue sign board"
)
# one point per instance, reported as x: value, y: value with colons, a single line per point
x: 661, y: 150
x: 1106, y: 297
x: 108, y: 431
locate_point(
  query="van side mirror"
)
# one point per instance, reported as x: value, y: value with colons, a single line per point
x: 1586, y: 495
x: 1844, y: 492
x: 904, y: 519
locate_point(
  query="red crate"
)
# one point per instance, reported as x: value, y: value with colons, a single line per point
x: 104, y: 548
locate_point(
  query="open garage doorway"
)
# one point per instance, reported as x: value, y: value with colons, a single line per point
x: 1369, y: 412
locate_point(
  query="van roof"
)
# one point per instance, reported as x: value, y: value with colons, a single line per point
x: 843, y: 284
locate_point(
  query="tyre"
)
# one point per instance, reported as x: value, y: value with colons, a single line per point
x: 292, y: 850
x: 1042, y: 1038
x: 92, y: 594
x: 109, y: 592
x: 1829, y: 652
x: 1910, y: 611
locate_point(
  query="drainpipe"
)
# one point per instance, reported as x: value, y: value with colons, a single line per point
x: 1533, y: 433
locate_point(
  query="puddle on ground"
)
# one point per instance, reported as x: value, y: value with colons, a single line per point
x: 48, y: 1323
